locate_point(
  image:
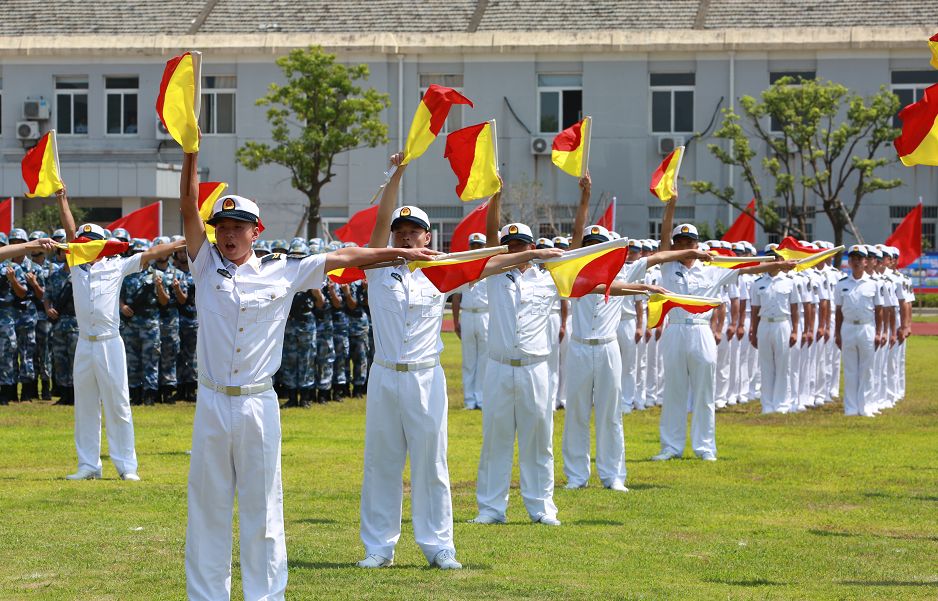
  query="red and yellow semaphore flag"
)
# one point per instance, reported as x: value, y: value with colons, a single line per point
x: 792, y: 250
x: 813, y: 260
x: 664, y: 179
x: 918, y: 142
x: 578, y: 272
x: 84, y: 250
x: 178, y: 102
x: 41, y: 168
x: 429, y: 119
x: 346, y: 275
x: 570, y: 150
x: 659, y: 305
x: 456, y: 269
x: 473, y: 157
x: 734, y: 262
x: 933, y: 46
x: 209, y: 192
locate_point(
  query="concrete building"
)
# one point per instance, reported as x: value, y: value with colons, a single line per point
x: 649, y: 73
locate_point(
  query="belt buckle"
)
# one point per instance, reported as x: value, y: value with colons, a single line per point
x: 400, y: 367
x: 514, y: 362
x: 233, y: 390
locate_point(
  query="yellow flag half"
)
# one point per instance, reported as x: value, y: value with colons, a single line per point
x: 659, y: 305
x: 579, y: 272
x: 40, y: 168
x: 180, y: 96
x: 472, y: 156
x: 813, y: 260
x: 664, y: 179
x: 569, y: 150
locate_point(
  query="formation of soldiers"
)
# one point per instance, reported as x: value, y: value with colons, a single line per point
x: 790, y: 373
x: 328, y: 340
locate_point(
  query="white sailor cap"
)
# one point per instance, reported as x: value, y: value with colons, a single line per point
x: 232, y: 206
x: 545, y: 243
x: 91, y: 231
x: 561, y: 242
x: 688, y: 230
x: 858, y: 249
x: 769, y: 248
x: 516, y: 231
x: 412, y: 214
x: 739, y: 247
x: 596, y: 233
x: 477, y: 238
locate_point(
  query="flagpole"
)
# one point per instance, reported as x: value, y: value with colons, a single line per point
x: 55, y: 150
x: 495, y: 143
x: 586, y: 144
x: 615, y: 205
x: 677, y: 171
x: 197, y: 75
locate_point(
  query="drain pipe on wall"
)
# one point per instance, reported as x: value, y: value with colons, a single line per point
x: 400, y: 116
x: 730, y: 170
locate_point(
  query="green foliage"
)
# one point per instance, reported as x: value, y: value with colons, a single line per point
x: 812, y: 505
x: 824, y: 158
x: 319, y: 113
x: 47, y: 219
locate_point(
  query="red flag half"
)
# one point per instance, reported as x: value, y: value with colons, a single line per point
x: 792, y: 250
x: 142, y: 223
x: 908, y: 237
x: 744, y: 228
x: 346, y: 275
x: 359, y: 227
x: 6, y: 215
x: 449, y: 274
x: 471, y: 223
x: 608, y: 219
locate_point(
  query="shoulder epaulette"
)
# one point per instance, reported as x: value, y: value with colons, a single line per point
x: 272, y: 257
x: 843, y: 277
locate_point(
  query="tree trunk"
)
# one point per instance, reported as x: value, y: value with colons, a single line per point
x: 312, y: 214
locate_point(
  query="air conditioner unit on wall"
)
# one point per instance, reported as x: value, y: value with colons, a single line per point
x: 36, y: 109
x: 540, y: 145
x: 667, y: 144
x: 161, y: 132
x: 27, y: 130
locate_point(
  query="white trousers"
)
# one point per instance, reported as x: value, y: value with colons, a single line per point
x: 892, y: 373
x: 516, y: 401
x: 406, y: 412
x: 594, y: 376
x: 879, y: 382
x: 628, y: 350
x: 734, y: 354
x: 641, y: 372
x: 555, y: 360
x: 807, y: 380
x: 690, y: 354
x: 475, y: 353
x: 857, y: 358
x: 755, y: 375
x: 235, y: 450
x: 835, y: 361
x: 901, y: 369
x: 774, y: 355
x: 722, y: 390
x: 100, y: 378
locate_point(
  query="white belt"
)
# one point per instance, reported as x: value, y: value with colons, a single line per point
x: 520, y: 362
x: 99, y: 338
x: 236, y: 390
x: 689, y: 322
x: 414, y: 366
x: 467, y: 310
x: 859, y: 322
x: 776, y: 319
x: 594, y: 341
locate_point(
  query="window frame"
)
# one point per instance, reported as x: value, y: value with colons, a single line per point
x: 929, y: 221
x: 671, y: 89
x: 211, y: 94
x: 775, y: 76
x: 121, y: 92
x: 560, y: 90
x: 71, y: 93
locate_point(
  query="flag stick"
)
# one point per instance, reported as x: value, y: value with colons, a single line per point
x: 495, y: 143
x: 161, y: 217
x: 55, y: 151
x: 586, y: 144
x: 197, y: 75
x: 677, y: 172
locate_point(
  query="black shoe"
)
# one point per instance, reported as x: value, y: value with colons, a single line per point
x: 324, y: 395
x: 46, y: 389
x: 135, y: 397
x: 168, y: 393
x: 306, y: 396
x: 28, y: 390
x: 149, y: 397
x: 358, y: 390
x: 290, y: 394
x: 4, y: 395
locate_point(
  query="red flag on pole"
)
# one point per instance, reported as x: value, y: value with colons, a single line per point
x: 471, y: 223
x: 142, y: 223
x: 908, y: 237
x: 359, y: 227
x: 6, y: 215
x: 744, y: 228
x: 608, y: 220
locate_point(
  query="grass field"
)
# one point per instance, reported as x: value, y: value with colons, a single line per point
x: 805, y: 506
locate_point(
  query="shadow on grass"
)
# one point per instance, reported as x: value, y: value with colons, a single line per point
x: 598, y: 522
x: 315, y: 521
x: 641, y: 486
x: 884, y: 495
x: 750, y: 582
x: 842, y: 533
x: 888, y: 583
x: 332, y: 565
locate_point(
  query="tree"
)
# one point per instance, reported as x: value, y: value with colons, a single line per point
x: 319, y: 113
x: 820, y: 151
x: 47, y: 219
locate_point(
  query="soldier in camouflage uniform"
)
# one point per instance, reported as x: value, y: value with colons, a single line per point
x: 325, y: 344
x: 299, y: 344
x: 170, y: 294
x: 140, y: 305
x: 59, y: 304
x: 42, y: 359
x: 186, y: 367
x: 26, y: 319
x: 354, y: 296
x: 340, y: 334
x: 11, y: 279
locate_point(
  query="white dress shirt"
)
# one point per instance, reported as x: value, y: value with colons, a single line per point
x: 594, y: 317
x: 774, y: 295
x: 475, y: 297
x: 696, y: 280
x: 858, y: 298
x: 243, y: 311
x: 520, y: 304
x: 96, y: 289
x: 407, y: 312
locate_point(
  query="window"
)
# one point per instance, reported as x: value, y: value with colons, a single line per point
x: 782, y: 213
x: 910, y: 86
x: 929, y: 221
x: 1, y: 105
x: 120, y: 98
x: 672, y: 103
x: 443, y: 220
x: 454, y: 121
x: 656, y: 213
x: 71, y: 105
x: 560, y: 102
x: 798, y: 77
x: 218, y: 104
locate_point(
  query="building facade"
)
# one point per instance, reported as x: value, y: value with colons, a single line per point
x: 646, y: 88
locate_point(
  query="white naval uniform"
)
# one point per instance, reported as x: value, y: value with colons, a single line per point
x: 725, y: 348
x: 516, y: 395
x: 628, y: 348
x: 650, y: 364
x: 557, y: 358
x: 794, y: 373
x: 689, y: 351
x: 100, y: 367
x: 474, y: 322
x: 236, y: 433
x: 858, y: 299
x: 810, y: 296
x: 832, y: 369
x: 752, y: 384
x: 881, y: 374
x: 774, y: 296
x: 594, y: 376
x: 739, y: 368
x: 406, y: 413
x: 821, y: 387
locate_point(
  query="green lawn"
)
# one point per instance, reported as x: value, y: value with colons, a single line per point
x: 806, y: 506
